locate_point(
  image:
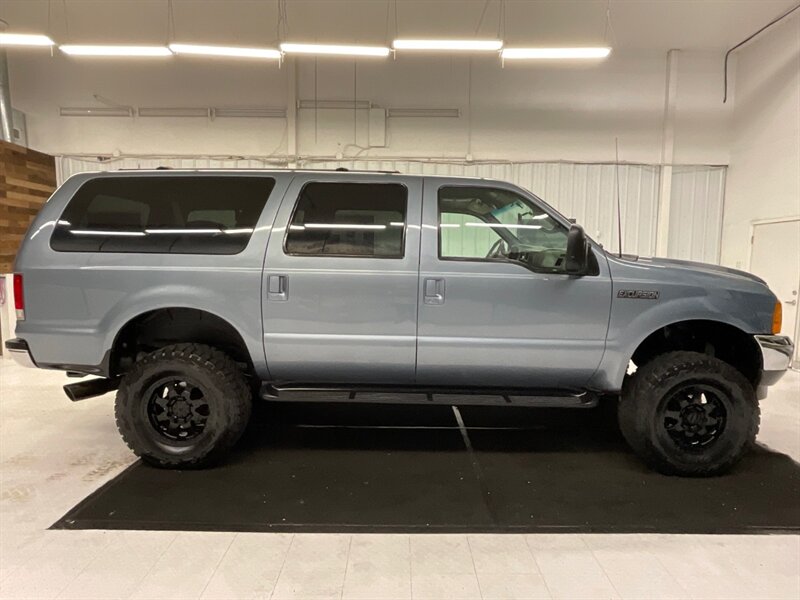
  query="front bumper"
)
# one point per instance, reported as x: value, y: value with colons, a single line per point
x: 19, y: 352
x: 776, y: 357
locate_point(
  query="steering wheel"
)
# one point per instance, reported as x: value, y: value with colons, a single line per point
x: 498, y: 249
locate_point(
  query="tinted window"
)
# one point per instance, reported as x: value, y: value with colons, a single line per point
x: 498, y: 224
x: 349, y: 219
x: 459, y: 238
x: 169, y: 214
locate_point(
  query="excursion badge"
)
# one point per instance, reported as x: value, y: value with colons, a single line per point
x: 638, y: 294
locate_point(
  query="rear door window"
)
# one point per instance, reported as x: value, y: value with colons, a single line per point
x: 349, y: 219
x: 173, y: 214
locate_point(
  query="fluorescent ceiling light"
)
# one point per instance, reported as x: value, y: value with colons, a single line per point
x: 100, y: 232
x: 173, y: 112
x: 502, y: 225
x: 91, y: 50
x: 25, y: 39
x: 252, y: 112
x: 456, y: 45
x: 423, y: 112
x: 335, y: 104
x: 95, y: 111
x: 335, y: 50
x: 204, y: 231
x: 550, y: 53
x: 249, y: 112
x: 343, y: 226
x: 232, y: 51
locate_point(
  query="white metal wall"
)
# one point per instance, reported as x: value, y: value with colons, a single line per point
x: 696, y: 204
x: 586, y: 192
x: 67, y: 166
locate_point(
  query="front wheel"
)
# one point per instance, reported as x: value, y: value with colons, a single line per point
x: 687, y: 413
x: 182, y: 406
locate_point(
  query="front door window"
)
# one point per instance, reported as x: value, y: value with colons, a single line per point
x: 480, y: 223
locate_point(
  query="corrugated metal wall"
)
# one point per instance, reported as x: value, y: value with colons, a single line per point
x: 67, y: 166
x: 695, y: 222
x: 586, y: 192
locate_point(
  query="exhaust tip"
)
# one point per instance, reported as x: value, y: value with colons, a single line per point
x: 91, y: 388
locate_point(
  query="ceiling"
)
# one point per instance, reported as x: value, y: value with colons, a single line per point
x: 635, y: 24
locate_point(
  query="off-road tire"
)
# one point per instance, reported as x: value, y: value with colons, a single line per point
x: 642, y: 406
x: 224, y: 388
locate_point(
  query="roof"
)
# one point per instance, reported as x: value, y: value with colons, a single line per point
x: 341, y: 171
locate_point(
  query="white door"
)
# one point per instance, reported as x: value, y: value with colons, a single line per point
x: 775, y: 257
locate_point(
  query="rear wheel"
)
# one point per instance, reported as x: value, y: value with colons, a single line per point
x: 687, y: 413
x: 182, y: 406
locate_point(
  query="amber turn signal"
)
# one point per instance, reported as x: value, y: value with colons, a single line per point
x: 777, y: 318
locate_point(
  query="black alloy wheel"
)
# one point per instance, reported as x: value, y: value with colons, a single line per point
x: 694, y: 416
x: 178, y: 409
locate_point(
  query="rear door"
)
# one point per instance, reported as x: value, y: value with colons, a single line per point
x: 340, y: 280
x: 487, y: 320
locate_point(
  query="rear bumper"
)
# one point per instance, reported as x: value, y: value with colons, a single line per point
x: 776, y: 357
x: 20, y: 353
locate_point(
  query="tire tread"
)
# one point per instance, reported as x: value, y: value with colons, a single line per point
x: 642, y: 388
x: 218, y: 363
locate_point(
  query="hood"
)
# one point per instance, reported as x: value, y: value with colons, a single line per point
x: 698, y: 267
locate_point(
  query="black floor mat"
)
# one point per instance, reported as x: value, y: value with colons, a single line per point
x: 358, y: 467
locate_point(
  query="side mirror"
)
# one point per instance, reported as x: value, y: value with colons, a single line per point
x: 577, y: 256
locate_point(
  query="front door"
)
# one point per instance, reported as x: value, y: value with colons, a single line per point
x: 487, y: 318
x: 340, y: 280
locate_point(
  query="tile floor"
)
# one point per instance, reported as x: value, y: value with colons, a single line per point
x: 53, y: 453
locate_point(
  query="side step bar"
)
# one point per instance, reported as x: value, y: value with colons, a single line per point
x: 297, y: 392
x: 91, y: 388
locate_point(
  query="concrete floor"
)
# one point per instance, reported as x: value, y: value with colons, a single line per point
x: 54, y: 453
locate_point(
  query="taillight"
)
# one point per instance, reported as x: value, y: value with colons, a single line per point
x: 19, y: 297
x: 777, y: 318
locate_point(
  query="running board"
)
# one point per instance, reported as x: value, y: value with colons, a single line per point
x: 296, y: 392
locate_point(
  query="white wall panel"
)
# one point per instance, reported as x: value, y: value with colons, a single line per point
x: 696, y: 205
x: 521, y: 113
x: 67, y: 166
x: 764, y: 171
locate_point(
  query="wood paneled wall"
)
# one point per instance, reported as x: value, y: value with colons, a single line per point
x: 27, y: 179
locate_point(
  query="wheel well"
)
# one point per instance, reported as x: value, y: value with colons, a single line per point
x: 723, y: 341
x: 162, y: 327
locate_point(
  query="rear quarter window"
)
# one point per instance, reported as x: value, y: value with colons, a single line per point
x: 170, y: 215
x: 365, y: 220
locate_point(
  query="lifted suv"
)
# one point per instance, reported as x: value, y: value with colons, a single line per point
x: 193, y: 292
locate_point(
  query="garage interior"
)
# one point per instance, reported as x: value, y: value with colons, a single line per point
x: 683, y: 142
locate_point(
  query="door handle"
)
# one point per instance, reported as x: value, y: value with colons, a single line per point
x: 792, y: 302
x: 434, y: 291
x: 278, y: 288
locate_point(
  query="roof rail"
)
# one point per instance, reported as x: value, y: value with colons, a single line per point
x: 335, y: 170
